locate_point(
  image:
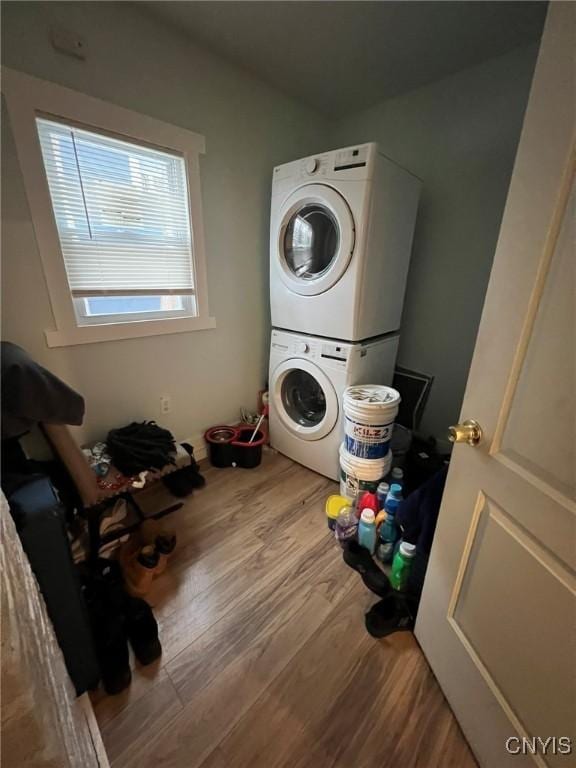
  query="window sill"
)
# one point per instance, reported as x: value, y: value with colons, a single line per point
x: 91, y: 334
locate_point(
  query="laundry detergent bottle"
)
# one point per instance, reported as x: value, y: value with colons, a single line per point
x: 381, y: 493
x: 402, y: 565
x: 367, y: 501
x: 367, y: 530
x: 396, y: 477
x: 389, y: 529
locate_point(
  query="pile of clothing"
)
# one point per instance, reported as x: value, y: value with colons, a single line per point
x: 140, y: 446
x: 144, y: 447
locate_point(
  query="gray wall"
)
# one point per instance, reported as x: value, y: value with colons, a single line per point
x: 460, y: 136
x: 137, y: 63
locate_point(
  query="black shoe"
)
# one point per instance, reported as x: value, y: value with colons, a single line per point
x: 142, y: 630
x: 104, y: 593
x: 360, y: 560
x: 111, y: 644
x: 102, y: 578
x: 112, y: 653
x: 389, y: 615
x: 183, y: 481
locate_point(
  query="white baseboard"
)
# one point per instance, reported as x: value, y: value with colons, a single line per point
x: 199, y: 445
x: 94, y: 730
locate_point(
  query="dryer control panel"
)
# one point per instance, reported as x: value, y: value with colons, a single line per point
x: 332, y: 164
x: 348, y: 164
x: 332, y: 354
x: 351, y: 157
x: 315, y: 166
x: 334, y: 351
x: 345, y: 362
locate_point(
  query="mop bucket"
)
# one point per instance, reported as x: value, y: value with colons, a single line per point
x: 231, y: 446
x: 248, y: 454
x: 369, y: 414
x: 220, y: 445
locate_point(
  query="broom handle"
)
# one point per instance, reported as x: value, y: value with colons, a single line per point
x: 260, y: 420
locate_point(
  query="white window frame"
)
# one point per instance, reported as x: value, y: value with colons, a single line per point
x: 26, y: 98
x: 83, y: 318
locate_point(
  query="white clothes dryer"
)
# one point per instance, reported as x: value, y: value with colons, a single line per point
x: 308, y: 376
x: 341, y: 230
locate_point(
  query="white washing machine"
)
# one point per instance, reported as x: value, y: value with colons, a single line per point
x: 341, y: 230
x: 308, y: 376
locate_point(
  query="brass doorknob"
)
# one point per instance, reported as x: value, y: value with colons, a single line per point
x: 469, y: 432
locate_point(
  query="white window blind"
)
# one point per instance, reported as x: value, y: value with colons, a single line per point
x: 122, y: 213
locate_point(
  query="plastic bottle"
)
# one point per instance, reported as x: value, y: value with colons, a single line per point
x: 367, y: 501
x: 381, y: 493
x: 401, y: 565
x: 389, y: 529
x: 396, y: 477
x: 394, y: 498
x: 346, y: 525
x: 367, y: 530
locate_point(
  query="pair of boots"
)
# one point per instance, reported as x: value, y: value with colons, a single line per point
x: 117, y: 618
x: 145, y: 555
x: 395, y: 612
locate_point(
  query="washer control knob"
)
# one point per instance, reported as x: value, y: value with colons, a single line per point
x: 301, y: 346
x: 312, y: 165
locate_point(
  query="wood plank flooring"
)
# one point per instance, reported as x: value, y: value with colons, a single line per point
x: 266, y: 662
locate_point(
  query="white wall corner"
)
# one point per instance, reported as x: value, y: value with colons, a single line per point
x: 199, y: 444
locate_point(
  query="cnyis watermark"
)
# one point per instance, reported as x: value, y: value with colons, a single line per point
x: 539, y: 745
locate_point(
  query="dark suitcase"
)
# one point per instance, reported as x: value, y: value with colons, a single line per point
x: 40, y: 521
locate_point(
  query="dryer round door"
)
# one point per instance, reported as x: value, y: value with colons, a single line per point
x: 315, y: 239
x: 304, y: 399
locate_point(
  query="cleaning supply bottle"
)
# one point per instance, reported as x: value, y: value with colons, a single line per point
x: 381, y: 493
x: 367, y: 530
x: 380, y: 517
x: 396, y: 476
x: 346, y: 525
x: 382, y: 548
x: 389, y: 529
x: 401, y: 565
x: 334, y: 505
x: 367, y: 501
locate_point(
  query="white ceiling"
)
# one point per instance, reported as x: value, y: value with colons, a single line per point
x: 344, y: 56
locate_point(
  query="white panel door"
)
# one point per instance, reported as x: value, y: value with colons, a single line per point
x: 497, y: 616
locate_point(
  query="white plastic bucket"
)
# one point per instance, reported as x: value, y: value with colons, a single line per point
x: 359, y: 475
x: 369, y: 413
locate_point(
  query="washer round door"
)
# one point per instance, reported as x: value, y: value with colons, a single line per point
x: 315, y: 241
x: 304, y: 399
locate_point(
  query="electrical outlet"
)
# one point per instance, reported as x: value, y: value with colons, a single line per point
x: 165, y: 404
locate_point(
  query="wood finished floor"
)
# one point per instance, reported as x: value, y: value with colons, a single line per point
x: 266, y: 662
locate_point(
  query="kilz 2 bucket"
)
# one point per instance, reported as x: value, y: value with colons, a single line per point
x: 369, y: 414
x: 359, y: 475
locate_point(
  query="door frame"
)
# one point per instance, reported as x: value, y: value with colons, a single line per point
x: 484, y: 478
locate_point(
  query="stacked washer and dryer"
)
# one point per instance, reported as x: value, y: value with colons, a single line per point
x: 341, y: 233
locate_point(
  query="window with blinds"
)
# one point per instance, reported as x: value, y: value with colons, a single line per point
x: 123, y: 220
